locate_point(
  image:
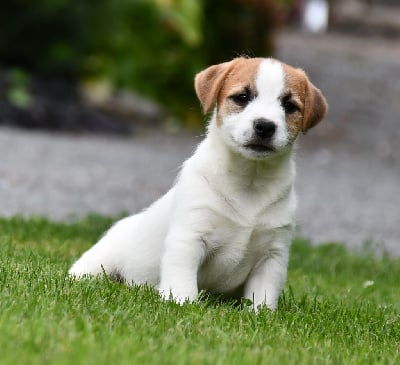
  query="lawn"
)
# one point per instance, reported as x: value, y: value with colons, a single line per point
x: 337, y: 308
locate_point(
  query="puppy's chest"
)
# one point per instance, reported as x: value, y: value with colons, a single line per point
x: 230, y: 243
x: 232, y: 250
x: 238, y: 233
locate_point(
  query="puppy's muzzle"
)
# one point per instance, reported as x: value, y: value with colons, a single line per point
x: 263, y: 133
x: 264, y: 129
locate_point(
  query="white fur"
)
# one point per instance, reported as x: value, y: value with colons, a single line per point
x: 227, y: 222
x: 236, y: 129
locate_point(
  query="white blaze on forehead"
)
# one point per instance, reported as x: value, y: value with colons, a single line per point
x: 270, y: 85
x: 270, y: 79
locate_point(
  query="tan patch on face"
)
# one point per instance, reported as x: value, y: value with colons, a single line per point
x: 217, y: 83
x: 240, y: 79
x: 310, y: 101
x: 295, y: 80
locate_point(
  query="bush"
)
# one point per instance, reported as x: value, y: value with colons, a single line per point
x: 153, y: 46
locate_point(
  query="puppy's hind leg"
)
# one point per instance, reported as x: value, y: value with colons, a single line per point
x: 106, y: 256
x: 94, y: 262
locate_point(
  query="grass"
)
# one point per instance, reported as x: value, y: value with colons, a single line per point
x: 337, y: 308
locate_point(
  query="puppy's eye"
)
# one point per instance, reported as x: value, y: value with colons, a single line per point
x: 241, y: 99
x: 288, y: 105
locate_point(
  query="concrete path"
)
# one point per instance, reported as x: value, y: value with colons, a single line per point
x: 348, y: 167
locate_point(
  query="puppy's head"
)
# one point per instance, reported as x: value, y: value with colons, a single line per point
x: 261, y: 104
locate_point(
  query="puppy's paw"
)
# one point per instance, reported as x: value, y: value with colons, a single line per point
x: 178, y: 296
x: 79, y: 271
x: 76, y: 273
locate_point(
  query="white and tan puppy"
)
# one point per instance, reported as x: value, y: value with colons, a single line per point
x: 226, y: 225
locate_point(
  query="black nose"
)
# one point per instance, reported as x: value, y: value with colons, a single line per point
x: 264, y: 128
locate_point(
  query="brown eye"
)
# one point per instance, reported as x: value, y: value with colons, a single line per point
x: 242, y: 98
x: 288, y: 106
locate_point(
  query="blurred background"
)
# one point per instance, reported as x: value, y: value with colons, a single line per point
x: 116, y: 78
x: 98, y: 65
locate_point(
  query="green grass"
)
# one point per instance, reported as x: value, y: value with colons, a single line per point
x: 328, y: 314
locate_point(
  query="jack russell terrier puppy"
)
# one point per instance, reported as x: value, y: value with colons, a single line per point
x: 226, y: 225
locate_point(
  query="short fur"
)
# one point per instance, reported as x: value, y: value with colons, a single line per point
x: 226, y: 225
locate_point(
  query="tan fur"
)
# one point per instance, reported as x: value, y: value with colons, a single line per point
x: 207, y: 84
x: 217, y: 82
x: 294, y: 85
x: 312, y: 104
x: 242, y: 76
x: 315, y: 109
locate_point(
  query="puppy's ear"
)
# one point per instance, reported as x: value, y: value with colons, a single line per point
x: 208, y: 84
x: 315, y: 107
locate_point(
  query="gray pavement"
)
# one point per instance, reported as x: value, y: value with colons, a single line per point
x: 348, y: 167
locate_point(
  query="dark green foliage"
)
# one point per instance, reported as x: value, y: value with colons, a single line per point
x: 140, y: 44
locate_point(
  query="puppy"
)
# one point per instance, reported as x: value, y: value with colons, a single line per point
x: 226, y: 225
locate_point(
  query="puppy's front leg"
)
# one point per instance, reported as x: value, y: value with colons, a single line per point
x: 267, y: 279
x: 179, y: 266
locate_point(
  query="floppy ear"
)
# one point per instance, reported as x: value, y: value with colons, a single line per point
x: 315, y: 107
x: 208, y: 83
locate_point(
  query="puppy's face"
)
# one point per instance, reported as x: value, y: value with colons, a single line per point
x: 262, y: 104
